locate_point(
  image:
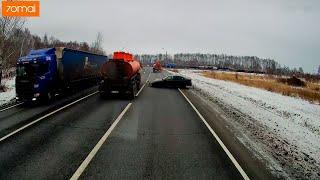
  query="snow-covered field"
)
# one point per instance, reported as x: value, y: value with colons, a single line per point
x: 10, y: 92
x: 289, y: 127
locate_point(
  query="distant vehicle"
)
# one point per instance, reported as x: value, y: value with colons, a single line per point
x: 44, y: 73
x: 171, y: 65
x: 172, y: 81
x: 121, y: 74
x: 157, y: 67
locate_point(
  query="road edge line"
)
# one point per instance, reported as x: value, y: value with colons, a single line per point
x: 43, y: 117
x: 143, y: 86
x: 4, y: 109
x: 234, y: 161
x: 96, y: 148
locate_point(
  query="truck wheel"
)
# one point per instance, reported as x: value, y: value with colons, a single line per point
x: 49, y: 96
x: 138, y: 86
x: 132, y: 92
x: 46, y: 98
x: 104, y: 95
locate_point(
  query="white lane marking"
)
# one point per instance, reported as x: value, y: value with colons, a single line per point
x: 234, y: 161
x: 143, y: 85
x: 43, y: 117
x: 96, y: 148
x: 11, y: 107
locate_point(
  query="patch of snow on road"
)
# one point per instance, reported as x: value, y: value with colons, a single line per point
x: 292, y: 124
x: 10, y: 92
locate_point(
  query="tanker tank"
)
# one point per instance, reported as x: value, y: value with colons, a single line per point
x: 121, y: 74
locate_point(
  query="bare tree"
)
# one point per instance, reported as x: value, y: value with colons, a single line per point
x: 10, y: 35
x: 96, y: 46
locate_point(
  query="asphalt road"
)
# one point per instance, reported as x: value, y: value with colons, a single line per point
x: 159, y: 137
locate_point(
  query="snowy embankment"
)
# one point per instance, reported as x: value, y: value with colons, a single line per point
x: 10, y: 92
x: 289, y: 127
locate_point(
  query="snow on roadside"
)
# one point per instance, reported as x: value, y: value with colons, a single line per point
x: 10, y: 93
x: 293, y: 122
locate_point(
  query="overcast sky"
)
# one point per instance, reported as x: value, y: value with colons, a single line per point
x: 285, y: 30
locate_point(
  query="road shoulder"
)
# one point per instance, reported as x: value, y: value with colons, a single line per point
x: 253, y: 164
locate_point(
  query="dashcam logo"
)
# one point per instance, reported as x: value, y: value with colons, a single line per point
x: 20, y: 8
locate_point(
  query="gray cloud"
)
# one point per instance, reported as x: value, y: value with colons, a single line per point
x: 286, y: 30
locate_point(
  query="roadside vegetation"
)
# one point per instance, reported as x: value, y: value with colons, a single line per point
x: 289, y: 86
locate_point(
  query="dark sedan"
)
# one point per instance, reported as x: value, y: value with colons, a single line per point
x: 172, y: 81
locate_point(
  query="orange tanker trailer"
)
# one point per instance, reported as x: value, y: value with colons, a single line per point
x: 121, y: 74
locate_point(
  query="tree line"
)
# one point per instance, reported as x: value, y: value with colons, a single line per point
x: 16, y: 40
x: 223, y: 61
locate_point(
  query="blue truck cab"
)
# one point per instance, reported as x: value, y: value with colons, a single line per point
x: 36, y: 75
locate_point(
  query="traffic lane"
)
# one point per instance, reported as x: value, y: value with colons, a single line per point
x: 10, y: 106
x: 20, y: 115
x: 161, y: 137
x: 54, y: 148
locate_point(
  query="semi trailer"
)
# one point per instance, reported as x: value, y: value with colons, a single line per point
x: 43, y: 73
x: 121, y: 75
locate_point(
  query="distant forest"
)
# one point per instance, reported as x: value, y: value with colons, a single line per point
x: 223, y: 61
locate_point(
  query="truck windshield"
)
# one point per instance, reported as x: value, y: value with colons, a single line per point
x: 31, y: 70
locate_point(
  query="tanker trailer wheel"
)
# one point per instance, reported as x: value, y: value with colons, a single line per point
x: 132, y: 94
x: 138, y: 82
x: 105, y: 95
x: 138, y: 85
